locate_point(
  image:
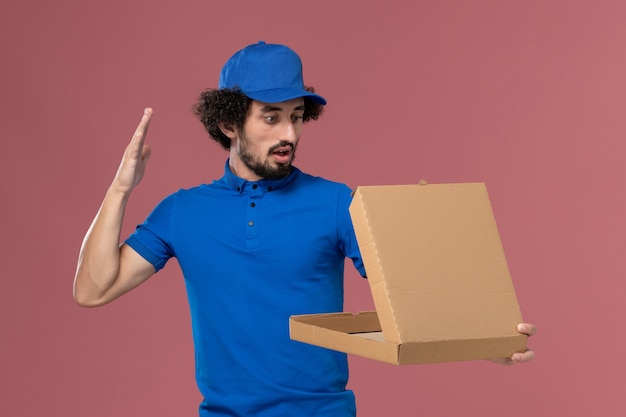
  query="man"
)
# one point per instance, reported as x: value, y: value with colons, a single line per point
x: 262, y: 243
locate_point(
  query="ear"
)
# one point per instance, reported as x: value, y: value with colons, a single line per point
x: 228, y: 130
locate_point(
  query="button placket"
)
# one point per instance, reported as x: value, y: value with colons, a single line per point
x: 252, y: 217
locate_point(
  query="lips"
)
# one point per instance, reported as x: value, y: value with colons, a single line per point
x: 282, y: 153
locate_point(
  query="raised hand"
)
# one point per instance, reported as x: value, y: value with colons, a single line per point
x: 105, y: 269
x: 135, y: 159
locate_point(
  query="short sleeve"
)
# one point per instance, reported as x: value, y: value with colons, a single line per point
x: 151, y: 239
x: 347, y: 237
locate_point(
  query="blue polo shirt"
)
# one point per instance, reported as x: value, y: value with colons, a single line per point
x: 253, y: 254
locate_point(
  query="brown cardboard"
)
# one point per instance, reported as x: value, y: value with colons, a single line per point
x: 438, y: 275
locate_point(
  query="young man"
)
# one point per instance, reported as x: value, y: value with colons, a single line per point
x: 263, y: 242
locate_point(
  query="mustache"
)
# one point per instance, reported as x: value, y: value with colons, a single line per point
x: 281, y: 144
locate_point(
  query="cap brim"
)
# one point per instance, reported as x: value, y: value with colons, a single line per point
x: 284, y: 94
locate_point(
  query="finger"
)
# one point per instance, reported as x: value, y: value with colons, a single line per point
x: 523, y: 357
x: 142, y: 129
x: 527, y: 328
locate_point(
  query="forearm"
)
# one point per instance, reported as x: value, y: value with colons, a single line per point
x: 99, y: 259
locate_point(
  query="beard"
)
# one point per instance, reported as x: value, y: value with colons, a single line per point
x: 264, y: 169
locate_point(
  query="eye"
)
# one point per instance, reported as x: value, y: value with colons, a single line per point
x: 296, y: 118
x: 270, y: 119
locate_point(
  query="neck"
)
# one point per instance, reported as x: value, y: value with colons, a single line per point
x: 240, y: 169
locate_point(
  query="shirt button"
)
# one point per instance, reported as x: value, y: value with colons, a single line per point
x: 254, y: 186
x: 250, y: 223
x: 269, y: 188
x: 252, y: 205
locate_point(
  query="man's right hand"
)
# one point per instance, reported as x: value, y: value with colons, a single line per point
x: 105, y: 269
x: 135, y: 159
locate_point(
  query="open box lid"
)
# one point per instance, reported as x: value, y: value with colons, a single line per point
x: 434, y: 262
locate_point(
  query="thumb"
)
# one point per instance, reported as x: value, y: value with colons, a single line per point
x: 146, y: 153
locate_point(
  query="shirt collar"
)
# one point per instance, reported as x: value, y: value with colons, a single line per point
x: 240, y: 185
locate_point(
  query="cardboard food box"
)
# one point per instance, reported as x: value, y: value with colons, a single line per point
x: 438, y: 276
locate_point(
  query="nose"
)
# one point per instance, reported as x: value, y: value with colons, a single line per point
x: 289, y: 132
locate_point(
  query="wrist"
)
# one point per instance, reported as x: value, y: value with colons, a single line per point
x: 119, y: 191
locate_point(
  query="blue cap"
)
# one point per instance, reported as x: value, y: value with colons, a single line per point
x: 267, y: 72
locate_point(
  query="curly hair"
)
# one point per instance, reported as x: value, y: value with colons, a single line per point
x: 230, y: 107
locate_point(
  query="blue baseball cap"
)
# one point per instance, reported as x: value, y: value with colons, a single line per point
x: 267, y: 72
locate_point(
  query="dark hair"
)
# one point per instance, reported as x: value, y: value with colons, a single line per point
x: 230, y: 107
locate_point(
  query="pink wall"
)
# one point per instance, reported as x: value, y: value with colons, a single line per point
x: 527, y: 96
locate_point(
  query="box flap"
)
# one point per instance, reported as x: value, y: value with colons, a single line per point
x: 435, y: 262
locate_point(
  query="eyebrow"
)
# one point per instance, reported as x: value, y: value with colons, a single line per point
x: 274, y: 108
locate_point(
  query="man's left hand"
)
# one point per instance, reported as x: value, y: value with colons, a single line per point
x: 529, y: 355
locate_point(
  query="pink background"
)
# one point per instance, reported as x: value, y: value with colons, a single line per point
x: 527, y: 96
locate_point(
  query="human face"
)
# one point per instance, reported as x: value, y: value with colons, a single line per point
x: 266, y: 146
